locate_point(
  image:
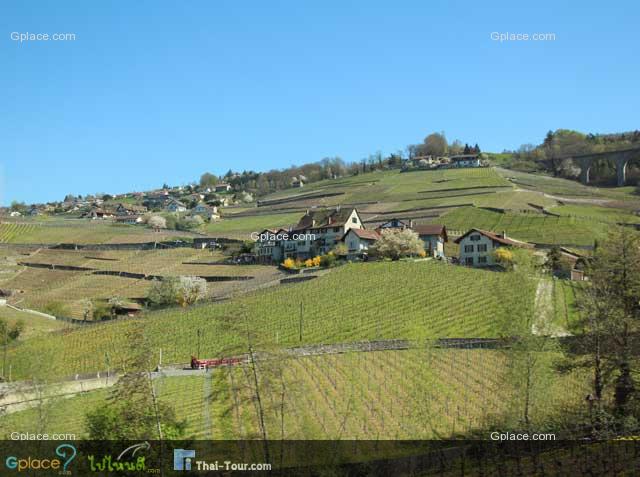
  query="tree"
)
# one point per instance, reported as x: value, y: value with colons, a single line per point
x: 435, y: 144
x: 395, y: 244
x: 557, y: 264
x: 132, y: 410
x: 207, y: 179
x: 612, y: 311
x: 183, y: 291
x: 157, y: 222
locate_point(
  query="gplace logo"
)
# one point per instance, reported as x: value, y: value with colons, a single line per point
x: 183, y: 458
x: 66, y: 452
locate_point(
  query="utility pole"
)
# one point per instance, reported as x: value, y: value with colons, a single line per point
x: 300, y: 321
x: 6, y: 343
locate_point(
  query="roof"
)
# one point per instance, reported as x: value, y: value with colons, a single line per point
x: 363, y: 234
x: 464, y: 157
x: 325, y: 218
x: 496, y: 238
x: 431, y: 229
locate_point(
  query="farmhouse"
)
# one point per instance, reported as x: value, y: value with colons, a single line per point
x: 358, y: 241
x: 465, y: 160
x: 477, y: 247
x: 434, y: 237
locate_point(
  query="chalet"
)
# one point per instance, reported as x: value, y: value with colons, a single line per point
x: 174, y: 205
x: 98, y: 213
x: 207, y: 211
x: 434, y: 237
x: 298, y: 181
x: 477, y: 247
x: 156, y: 201
x: 34, y: 211
x: 395, y: 224
x: 130, y: 209
x: 270, y: 245
x: 358, y: 241
x: 465, y: 160
x: 223, y: 187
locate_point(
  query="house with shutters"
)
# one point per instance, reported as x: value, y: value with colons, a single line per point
x: 316, y: 233
x: 477, y: 247
x: 434, y: 237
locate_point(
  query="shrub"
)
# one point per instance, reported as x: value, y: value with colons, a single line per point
x: 328, y: 260
x: 289, y: 263
x: 56, y: 308
x: 316, y: 261
x: 308, y: 263
x: 504, y: 257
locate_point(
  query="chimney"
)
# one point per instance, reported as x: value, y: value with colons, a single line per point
x: 410, y: 223
x: 503, y: 234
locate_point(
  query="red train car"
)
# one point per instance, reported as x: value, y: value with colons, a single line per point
x: 213, y: 363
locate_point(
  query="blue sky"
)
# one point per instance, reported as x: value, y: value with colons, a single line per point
x: 158, y: 91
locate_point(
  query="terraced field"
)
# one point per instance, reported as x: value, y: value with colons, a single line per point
x: 345, y: 305
x: 48, y: 231
x: 415, y: 394
x: 41, y: 286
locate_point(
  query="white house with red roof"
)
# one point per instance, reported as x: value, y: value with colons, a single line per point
x: 477, y: 247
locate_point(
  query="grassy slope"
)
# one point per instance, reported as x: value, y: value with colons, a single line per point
x: 345, y: 305
x: 34, y: 325
x: 529, y: 227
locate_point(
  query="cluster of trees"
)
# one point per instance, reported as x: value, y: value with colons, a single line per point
x: 263, y: 183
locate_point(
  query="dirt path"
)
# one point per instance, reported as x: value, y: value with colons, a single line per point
x: 543, y: 321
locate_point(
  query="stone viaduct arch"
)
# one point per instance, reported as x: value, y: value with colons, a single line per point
x: 619, y: 158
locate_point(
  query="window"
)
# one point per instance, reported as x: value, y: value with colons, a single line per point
x: 468, y: 248
x: 354, y: 220
x: 482, y: 247
x: 482, y: 259
x: 336, y: 229
x: 475, y: 238
x: 469, y: 261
